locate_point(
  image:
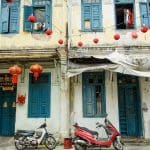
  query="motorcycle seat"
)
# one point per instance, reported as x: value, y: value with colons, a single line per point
x: 25, y: 133
x: 90, y: 131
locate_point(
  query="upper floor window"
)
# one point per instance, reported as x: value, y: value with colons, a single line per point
x: 91, y: 15
x: 42, y: 10
x: 124, y: 10
x: 9, y: 18
x: 145, y: 12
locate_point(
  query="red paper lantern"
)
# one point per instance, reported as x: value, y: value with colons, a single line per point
x: 60, y: 41
x: 15, y: 71
x: 9, y: 1
x: 96, y: 40
x: 144, y: 28
x: 116, y: 36
x: 134, y: 35
x: 31, y: 18
x: 80, y: 44
x: 48, y: 32
x: 36, y: 69
x: 21, y: 99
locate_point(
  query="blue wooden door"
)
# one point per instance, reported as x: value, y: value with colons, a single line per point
x: 39, y: 96
x: 7, y: 112
x: 129, y: 106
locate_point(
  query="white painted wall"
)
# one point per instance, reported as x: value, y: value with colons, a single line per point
x: 111, y: 104
x: 22, y: 120
x: 145, y: 100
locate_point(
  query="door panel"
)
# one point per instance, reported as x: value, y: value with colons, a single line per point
x: 129, y: 102
x: 7, y: 112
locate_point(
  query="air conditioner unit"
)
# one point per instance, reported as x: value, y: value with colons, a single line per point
x: 37, y: 26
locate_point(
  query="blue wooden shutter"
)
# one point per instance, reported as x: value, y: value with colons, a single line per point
x: 48, y: 21
x: 14, y: 19
x: 144, y: 14
x: 89, y: 101
x: 96, y: 15
x: 5, y: 19
x: 28, y: 10
x: 39, y: 96
x: 86, y: 13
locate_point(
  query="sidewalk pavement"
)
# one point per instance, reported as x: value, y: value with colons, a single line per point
x: 8, y: 144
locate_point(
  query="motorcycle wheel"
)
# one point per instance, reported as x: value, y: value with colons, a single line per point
x: 19, y: 145
x: 79, y: 147
x: 117, y: 145
x: 50, y: 143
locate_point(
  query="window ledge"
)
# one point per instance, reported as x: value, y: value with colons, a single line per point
x: 101, y: 30
x: 96, y: 116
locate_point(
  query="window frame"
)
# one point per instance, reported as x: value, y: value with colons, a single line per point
x: 147, y: 3
x: 101, y: 76
x: 16, y: 3
x: 83, y: 29
x: 28, y: 26
x: 125, y: 2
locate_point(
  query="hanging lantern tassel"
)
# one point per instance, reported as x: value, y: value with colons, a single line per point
x: 15, y: 71
x: 14, y: 78
x: 36, y: 70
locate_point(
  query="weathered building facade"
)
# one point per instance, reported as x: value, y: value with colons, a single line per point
x: 109, y: 66
x: 24, y: 43
x: 86, y: 76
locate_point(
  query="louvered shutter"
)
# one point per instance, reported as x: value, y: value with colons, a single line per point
x: 48, y: 21
x: 96, y: 15
x: 144, y: 14
x: 4, y: 19
x: 86, y: 15
x: 28, y: 10
x: 14, y: 19
x: 89, y: 101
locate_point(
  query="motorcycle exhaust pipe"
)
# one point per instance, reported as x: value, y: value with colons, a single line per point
x: 82, y: 142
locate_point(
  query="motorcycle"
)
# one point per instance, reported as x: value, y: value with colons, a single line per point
x: 85, y: 138
x: 26, y: 138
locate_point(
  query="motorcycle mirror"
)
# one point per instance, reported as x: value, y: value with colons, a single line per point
x: 97, y: 123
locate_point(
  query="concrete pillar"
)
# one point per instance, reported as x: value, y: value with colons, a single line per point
x: 64, y: 102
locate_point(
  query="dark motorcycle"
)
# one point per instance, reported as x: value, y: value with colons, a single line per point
x: 25, y: 138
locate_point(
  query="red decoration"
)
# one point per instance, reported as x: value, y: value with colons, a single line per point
x: 80, y: 44
x: 60, y: 41
x: 31, y: 18
x: 9, y: 1
x: 21, y: 99
x: 144, y: 28
x: 15, y: 71
x: 36, y: 69
x: 96, y: 40
x: 48, y: 31
x: 116, y: 36
x: 134, y: 35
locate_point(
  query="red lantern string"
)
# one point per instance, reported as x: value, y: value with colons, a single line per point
x: 48, y: 32
x: 144, y: 28
x: 36, y: 70
x: 80, y: 44
x: 60, y: 41
x: 116, y: 36
x: 134, y: 35
x: 15, y: 71
x: 95, y: 40
x: 31, y: 18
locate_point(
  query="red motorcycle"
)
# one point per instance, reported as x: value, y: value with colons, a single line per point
x: 85, y: 138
